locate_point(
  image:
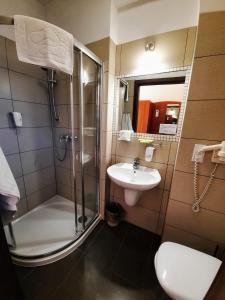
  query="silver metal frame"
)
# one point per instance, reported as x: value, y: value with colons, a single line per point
x: 81, y: 129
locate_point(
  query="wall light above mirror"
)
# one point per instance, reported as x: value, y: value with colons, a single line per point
x: 152, y: 104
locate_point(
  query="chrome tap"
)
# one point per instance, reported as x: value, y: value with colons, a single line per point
x: 136, y: 163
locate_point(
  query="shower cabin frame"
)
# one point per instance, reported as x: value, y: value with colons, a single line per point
x: 86, y: 230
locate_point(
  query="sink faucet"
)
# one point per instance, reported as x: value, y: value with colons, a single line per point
x: 136, y: 163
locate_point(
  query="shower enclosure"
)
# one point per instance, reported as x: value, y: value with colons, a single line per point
x: 53, y: 228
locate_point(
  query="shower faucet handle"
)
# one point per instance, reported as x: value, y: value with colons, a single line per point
x: 67, y: 138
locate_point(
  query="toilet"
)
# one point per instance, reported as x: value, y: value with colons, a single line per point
x: 185, y: 273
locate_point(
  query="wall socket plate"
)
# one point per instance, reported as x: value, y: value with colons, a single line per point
x: 215, y: 158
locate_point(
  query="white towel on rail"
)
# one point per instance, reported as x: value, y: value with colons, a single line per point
x: 44, y: 44
x: 9, y: 192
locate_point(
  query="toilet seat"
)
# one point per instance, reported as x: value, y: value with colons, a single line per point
x: 185, y: 273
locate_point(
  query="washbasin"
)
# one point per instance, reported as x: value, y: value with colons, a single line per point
x: 133, y: 181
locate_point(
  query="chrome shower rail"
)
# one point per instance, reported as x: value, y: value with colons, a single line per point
x: 5, y: 20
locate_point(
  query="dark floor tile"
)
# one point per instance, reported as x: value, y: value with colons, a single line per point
x: 90, y: 239
x: 106, y: 245
x: 113, y: 263
x: 87, y: 282
x: 22, y: 272
x: 132, y: 257
x: 43, y: 281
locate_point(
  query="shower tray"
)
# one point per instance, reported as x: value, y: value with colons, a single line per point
x: 45, y: 230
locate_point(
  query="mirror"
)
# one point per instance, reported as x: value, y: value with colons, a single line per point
x: 152, y: 105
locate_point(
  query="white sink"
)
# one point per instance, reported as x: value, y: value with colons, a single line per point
x: 133, y: 181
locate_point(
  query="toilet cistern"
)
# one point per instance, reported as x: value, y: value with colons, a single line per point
x: 134, y: 179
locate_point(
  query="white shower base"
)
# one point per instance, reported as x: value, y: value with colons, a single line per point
x: 47, y: 228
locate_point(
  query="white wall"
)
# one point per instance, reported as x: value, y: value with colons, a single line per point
x: 31, y: 8
x: 211, y: 5
x: 156, y: 17
x: 114, y: 22
x: 157, y: 93
x: 87, y: 20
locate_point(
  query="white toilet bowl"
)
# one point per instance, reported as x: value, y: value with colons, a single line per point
x: 185, y: 273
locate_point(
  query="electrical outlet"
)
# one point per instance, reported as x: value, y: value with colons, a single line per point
x: 215, y: 158
x: 196, y: 155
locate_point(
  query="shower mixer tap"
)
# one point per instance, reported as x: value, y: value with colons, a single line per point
x: 67, y: 138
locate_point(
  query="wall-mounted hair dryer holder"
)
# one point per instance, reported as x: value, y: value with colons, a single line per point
x: 218, y: 152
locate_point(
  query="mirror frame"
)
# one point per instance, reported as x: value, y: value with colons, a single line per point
x: 166, y: 74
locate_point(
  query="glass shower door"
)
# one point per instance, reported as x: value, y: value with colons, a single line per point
x: 87, y: 156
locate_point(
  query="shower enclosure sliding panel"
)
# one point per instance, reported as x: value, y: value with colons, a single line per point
x: 87, y: 176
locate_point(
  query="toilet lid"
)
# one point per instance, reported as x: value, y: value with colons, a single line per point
x: 183, y: 272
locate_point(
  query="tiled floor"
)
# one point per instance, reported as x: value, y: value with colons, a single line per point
x: 113, y: 263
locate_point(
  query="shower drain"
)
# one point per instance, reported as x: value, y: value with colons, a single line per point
x: 80, y: 219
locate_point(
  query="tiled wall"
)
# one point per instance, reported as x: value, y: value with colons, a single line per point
x: 173, y: 49
x: 177, y: 48
x: 204, y: 124
x: 62, y: 127
x: 149, y: 212
x: 29, y: 150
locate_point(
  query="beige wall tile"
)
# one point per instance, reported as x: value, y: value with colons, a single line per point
x: 135, y: 149
x: 141, y: 217
x: 211, y: 36
x: 190, y: 47
x: 160, y: 224
x: 176, y: 235
x: 114, y: 142
x: 118, y: 60
x: 185, y: 164
x: 173, y: 153
x: 206, y: 223
x: 106, y: 144
x: 151, y: 199
x: 107, y: 116
x: 118, y: 192
x: 182, y: 190
x: 169, y: 175
x: 112, y: 56
x: 165, y: 200
x: 207, y: 80
x: 169, y: 48
x: 100, y: 48
x: 205, y: 120
x: 3, y: 59
x: 105, y: 163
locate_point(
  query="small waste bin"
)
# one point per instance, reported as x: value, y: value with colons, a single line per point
x: 114, y: 213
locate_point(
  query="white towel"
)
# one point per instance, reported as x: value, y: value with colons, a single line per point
x: 43, y: 44
x: 126, y: 122
x: 9, y: 192
x: 125, y: 135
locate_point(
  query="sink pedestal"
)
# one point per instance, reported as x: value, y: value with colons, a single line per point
x: 131, y: 197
